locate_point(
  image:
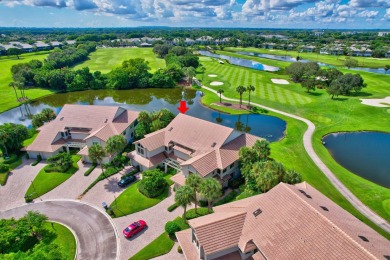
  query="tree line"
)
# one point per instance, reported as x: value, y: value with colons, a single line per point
x: 311, y: 76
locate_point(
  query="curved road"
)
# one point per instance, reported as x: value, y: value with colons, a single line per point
x: 95, y: 233
x: 307, y: 142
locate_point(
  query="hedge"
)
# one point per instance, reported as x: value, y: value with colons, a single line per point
x: 107, y: 173
x: 39, y: 158
x: 13, y: 158
x: 152, y: 193
x: 93, y: 166
x: 54, y: 168
x: 228, y: 198
x: 173, y: 207
x: 190, y: 214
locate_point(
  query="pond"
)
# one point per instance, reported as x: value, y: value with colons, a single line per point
x: 241, y: 62
x: 366, y: 154
x: 269, y: 127
x: 292, y: 59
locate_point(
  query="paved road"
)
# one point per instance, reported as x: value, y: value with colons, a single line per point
x: 95, y: 233
x: 307, y: 142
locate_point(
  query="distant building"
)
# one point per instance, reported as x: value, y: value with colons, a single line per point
x: 318, y: 33
x: 287, y: 222
x: 145, y: 44
x: 42, y: 46
x: 56, y: 44
x: 381, y: 34
x: 70, y: 42
x: 204, y: 40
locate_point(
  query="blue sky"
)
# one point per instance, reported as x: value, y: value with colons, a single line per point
x: 326, y: 14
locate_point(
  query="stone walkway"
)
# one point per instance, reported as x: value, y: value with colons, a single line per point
x: 307, y: 142
x: 172, y: 255
x: 19, y: 179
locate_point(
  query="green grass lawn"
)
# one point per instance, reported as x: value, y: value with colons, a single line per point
x: 4, y: 175
x: 106, y: 59
x: 7, y: 94
x: 65, y: 239
x: 29, y: 141
x: 329, y: 59
x: 46, y: 181
x: 160, y: 246
x: 290, y: 150
x: 131, y: 201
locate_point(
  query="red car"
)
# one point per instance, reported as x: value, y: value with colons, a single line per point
x: 134, y: 228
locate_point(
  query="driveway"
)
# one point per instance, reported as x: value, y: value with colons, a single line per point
x: 95, y: 233
x: 75, y: 185
x: 155, y: 217
x: 19, y: 179
x: 172, y: 255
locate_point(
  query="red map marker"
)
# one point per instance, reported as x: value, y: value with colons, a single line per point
x: 183, y: 106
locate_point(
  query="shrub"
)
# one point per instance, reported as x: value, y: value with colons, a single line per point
x: 228, y: 198
x: 236, y: 182
x: 93, y: 166
x: 3, y: 168
x: 203, y: 203
x: 171, y: 227
x: 173, y: 207
x: 152, y: 183
x: 13, y: 158
x: 39, y: 158
x: 27, y: 156
x: 56, y: 168
x: 120, y: 160
x: 190, y: 214
x: 131, y: 173
x: 179, y: 250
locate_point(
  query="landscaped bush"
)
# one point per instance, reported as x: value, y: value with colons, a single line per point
x: 39, y: 158
x: 236, y: 183
x: 152, y: 184
x: 203, y: 203
x: 13, y: 158
x: 120, y: 160
x: 179, y: 250
x: 228, y: 198
x: 173, y: 207
x: 107, y: 173
x: 3, y: 168
x: 190, y: 214
x: 88, y: 172
x: 27, y: 156
x: 131, y: 173
x: 171, y: 227
x: 56, y: 168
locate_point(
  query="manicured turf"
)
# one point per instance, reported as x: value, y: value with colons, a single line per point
x: 160, y: 246
x: 29, y: 141
x: 291, y: 153
x: 106, y: 59
x: 7, y: 94
x: 46, y: 181
x: 65, y: 239
x: 329, y: 59
x: 4, y: 175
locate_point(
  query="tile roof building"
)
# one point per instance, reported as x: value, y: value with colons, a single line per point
x: 288, y: 222
x: 193, y: 145
x: 80, y: 126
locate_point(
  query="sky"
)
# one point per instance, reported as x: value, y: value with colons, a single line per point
x: 313, y: 14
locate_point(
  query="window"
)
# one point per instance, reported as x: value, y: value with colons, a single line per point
x: 140, y: 150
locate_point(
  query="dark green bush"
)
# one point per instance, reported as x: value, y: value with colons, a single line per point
x: 56, y: 168
x: 179, y: 250
x: 171, y: 227
x: 136, y: 170
x: 228, y: 198
x: 203, y: 203
x: 88, y: 172
x: 152, y: 184
x: 39, y: 158
x: 150, y: 193
x: 173, y: 207
x: 3, y: 168
x: 190, y: 214
x: 236, y: 183
x: 13, y: 158
x: 27, y: 156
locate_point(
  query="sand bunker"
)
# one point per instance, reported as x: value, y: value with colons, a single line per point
x: 381, y: 102
x: 216, y: 83
x: 280, y: 81
x: 212, y: 75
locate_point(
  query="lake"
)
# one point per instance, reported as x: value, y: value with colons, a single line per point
x: 292, y: 59
x: 241, y: 62
x: 366, y: 154
x: 269, y: 127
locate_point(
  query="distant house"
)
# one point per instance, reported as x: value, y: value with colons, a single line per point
x: 318, y: 33
x: 150, y: 40
x: 381, y: 34
x: 56, y: 44
x: 192, y: 146
x: 145, y: 44
x: 360, y: 51
x: 269, y: 45
x: 79, y: 127
x: 70, y: 42
x: 308, y: 48
x: 24, y: 46
x: 42, y: 46
x: 287, y: 222
x: 204, y: 40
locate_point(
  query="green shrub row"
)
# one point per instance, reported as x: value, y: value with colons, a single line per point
x: 228, y: 198
x: 136, y: 170
x: 93, y: 166
x: 13, y: 158
x: 3, y: 168
x: 107, y: 173
x: 39, y: 158
x: 190, y: 214
x: 173, y: 207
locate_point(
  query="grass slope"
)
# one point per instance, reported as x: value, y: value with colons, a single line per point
x: 329, y: 59
x: 160, y: 246
x: 46, y: 181
x: 8, y: 99
x: 106, y: 59
x: 65, y: 239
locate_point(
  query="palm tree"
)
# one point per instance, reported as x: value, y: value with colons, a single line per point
x: 183, y: 197
x: 115, y: 144
x: 262, y: 149
x: 240, y: 90
x: 202, y: 69
x: 13, y: 85
x: 250, y: 88
x: 220, y: 92
x: 189, y: 72
x: 210, y: 189
x: 3, y: 140
x: 97, y: 153
x: 194, y: 181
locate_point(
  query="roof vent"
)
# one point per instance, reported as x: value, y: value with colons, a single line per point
x: 257, y: 212
x: 170, y: 129
x: 105, y: 121
x: 213, y: 144
x: 364, y: 238
x: 62, y: 118
x: 324, y: 208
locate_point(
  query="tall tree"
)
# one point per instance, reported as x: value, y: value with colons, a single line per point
x: 250, y: 88
x: 262, y: 149
x: 220, y: 92
x: 97, y: 153
x: 194, y: 181
x: 349, y: 62
x: 189, y: 72
x: 13, y: 85
x: 240, y: 90
x: 202, y: 69
x: 210, y: 189
x: 387, y: 67
x: 35, y: 222
x: 115, y: 144
x: 183, y: 197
